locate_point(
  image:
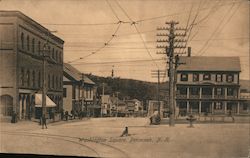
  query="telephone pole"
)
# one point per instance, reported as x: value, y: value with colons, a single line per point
x: 158, y: 74
x: 170, y: 51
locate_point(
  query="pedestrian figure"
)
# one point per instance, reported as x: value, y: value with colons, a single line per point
x: 66, y: 115
x: 125, y: 132
x: 62, y: 114
x: 14, y: 117
x: 44, y: 121
x: 231, y: 115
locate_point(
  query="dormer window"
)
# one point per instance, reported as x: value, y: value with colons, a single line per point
x: 184, y: 77
x: 206, y: 77
x: 195, y: 77
x: 218, y: 77
x: 230, y: 78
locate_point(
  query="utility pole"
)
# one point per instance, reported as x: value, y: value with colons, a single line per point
x: 159, y: 73
x: 169, y: 50
x: 117, y: 101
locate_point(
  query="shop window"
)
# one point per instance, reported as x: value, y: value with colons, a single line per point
x: 195, y: 77
x: 207, y: 77
x: 184, y: 77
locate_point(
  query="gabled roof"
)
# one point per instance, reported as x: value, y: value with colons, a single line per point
x: 75, y: 74
x: 207, y: 63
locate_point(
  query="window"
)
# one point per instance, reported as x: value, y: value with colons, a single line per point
x: 230, y: 91
x: 28, y: 43
x: 33, y: 79
x: 218, y: 106
x: 64, y: 92
x: 39, y: 48
x: 245, y: 106
x: 73, y: 92
x: 219, y: 91
x: 56, y: 55
x: 206, y: 77
x: 22, y: 77
x: 48, y: 81
x: 39, y: 79
x: 28, y: 78
x: 33, y: 45
x: 218, y: 77
x: 53, y: 53
x: 194, y: 91
x: 230, y: 78
x: 184, y: 77
x: 182, y: 90
x: 195, y: 77
x: 53, y: 81
x: 22, y: 40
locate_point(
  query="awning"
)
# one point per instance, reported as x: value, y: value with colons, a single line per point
x: 38, y: 101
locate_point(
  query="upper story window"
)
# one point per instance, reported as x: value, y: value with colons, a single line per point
x: 219, y: 78
x: 207, y: 76
x: 218, y: 106
x: 49, y: 81
x: 219, y: 91
x: 56, y: 55
x: 33, y: 45
x: 230, y: 77
x: 53, y: 53
x: 194, y: 91
x: 39, y: 48
x: 195, y: 77
x: 184, y: 77
x: 230, y: 91
x: 22, y: 77
x: 28, y: 43
x: 33, y: 78
x: 28, y: 78
x: 39, y: 79
x: 22, y: 40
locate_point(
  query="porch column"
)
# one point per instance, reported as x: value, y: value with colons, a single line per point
x: 187, y: 92
x: 238, y: 108
x: 200, y: 92
x: 199, y: 107
x: 213, y: 93
x: 225, y: 93
x: 187, y: 107
x: 20, y: 106
x: 212, y: 110
x: 225, y: 107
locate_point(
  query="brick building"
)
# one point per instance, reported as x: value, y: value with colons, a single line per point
x: 23, y: 42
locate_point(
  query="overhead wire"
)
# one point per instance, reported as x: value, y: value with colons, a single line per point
x: 203, y: 49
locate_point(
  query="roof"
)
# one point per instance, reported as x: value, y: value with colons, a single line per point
x: 11, y: 13
x: 207, y: 63
x: 75, y: 74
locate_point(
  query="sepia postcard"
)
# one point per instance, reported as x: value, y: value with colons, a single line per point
x: 125, y: 78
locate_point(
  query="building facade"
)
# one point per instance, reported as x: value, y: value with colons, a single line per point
x: 78, y: 91
x: 23, y: 44
x: 208, y: 85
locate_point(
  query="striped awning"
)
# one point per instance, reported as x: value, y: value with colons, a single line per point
x: 38, y: 101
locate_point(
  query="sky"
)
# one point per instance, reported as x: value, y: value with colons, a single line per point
x: 101, y: 35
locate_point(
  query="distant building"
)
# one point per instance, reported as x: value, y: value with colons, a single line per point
x: 78, y: 90
x: 23, y: 42
x: 208, y: 85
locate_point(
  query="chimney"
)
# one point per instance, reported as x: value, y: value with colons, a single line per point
x: 189, y: 51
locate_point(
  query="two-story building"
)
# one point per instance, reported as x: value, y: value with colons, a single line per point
x: 208, y: 85
x: 24, y: 44
x: 78, y: 90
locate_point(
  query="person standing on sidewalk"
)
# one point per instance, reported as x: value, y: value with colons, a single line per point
x: 44, y: 121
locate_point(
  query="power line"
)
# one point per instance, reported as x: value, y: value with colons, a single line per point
x: 123, y: 11
x: 202, y: 50
x: 113, y: 10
